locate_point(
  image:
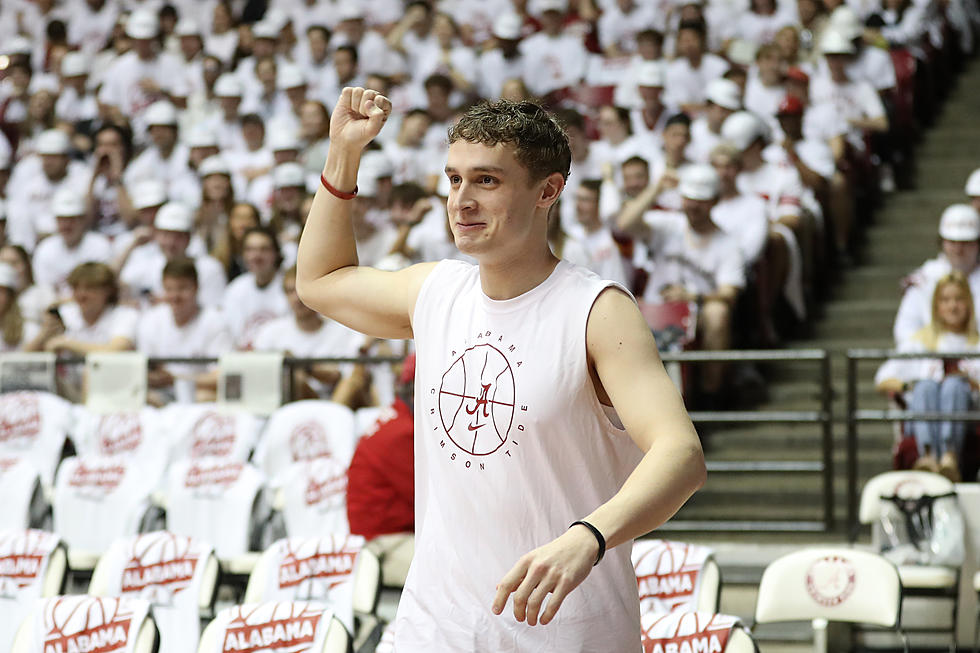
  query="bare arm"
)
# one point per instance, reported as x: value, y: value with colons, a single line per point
x: 625, y: 359
x: 328, y: 277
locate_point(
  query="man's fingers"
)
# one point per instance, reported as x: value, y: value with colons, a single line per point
x: 356, y: 95
x: 558, y: 594
x: 532, y: 579
x: 507, y: 586
x: 537, y: 597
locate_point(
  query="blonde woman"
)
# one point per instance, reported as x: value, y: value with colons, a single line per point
x: 934, y: 385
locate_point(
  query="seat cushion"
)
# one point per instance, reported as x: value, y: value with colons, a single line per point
x: 926, y: 577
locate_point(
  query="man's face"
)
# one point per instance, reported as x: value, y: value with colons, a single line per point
x: 586, y: 206
x: 650, y: 95
x: 288, y: 199
x: 676, y: 139
x: 717, y: 115
x: 54, y: 165
x: 636, y: 177
x: 698, y: 212
x: 688, y: 43
x: 180, y: 294
x: 414, y: 127
x: 260, y: 255
x: 190, y: 46
x: 837, y: 63
x: 611, y: 128
x: 492, y: 201
x: 71, y: 229
x: 91, y: 299
x: 344, y: 64
x: 727, y: 169
x: 229, y: 105
x: 173, y: 244
x: 318, y: 45
x: 163, y: 136
x: 962, y: 255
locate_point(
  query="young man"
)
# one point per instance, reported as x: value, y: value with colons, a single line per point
x: 523, y: 446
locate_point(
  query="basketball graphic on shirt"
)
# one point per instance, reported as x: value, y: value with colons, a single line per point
x: 476, y: 400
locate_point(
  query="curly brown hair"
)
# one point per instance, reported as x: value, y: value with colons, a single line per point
x: 540, y: 142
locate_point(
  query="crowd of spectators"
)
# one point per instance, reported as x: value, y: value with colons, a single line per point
x: 157, y: 160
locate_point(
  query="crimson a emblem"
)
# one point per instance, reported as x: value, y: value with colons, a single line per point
x: 476, y: 400
x: 830, y: 580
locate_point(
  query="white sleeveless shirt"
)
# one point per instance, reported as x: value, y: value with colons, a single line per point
x: 511, y: 446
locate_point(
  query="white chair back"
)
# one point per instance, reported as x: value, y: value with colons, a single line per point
x: 304, y: 430
x: 21, y: 495
x: 73, y: 623
x: 335, y: 571
x: 676, y: 576
x: 295, y: 626
x: 692, y: 631
x: 33, y: 565
x: 217, y: 501
x: 201, y: 430
x: 910, y: 484
x: 28, y: 371
x: 99, y: 499
x: 832, y: 583
x: 251, y: 381
x: 115, y: 381
x: 34, y: 426
x: 177, y: 575
x: 314, y: 498
x: 139, y: 436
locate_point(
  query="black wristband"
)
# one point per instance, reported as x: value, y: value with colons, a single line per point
x: 598, y: 536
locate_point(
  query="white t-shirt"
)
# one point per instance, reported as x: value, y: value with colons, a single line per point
x: 853, y: 99
x: 121, y: 87
x: 703, y: 140
x: 331, y: 339
x: 507, y: 454
x: 54, y: 261
x: 779, y: 186
x: 686, y: 84
x: 700, y: 263
x: 114, y: 322
x: 555, y: 62
x: 744, y: 217
x: 915, y: 309
x: 144, y: 271
x: 29, y: 212
x: 620, y: 29
x: 247, y: 307
x: 495, y: 69
x: 604, y: 257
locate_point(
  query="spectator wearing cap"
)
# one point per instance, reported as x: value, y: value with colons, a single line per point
x: 692, y: 69
x: 15, y: 331
x: 869, y: 63
x: 972, y: 189
x: 650, y: 118
x: 228, y: 126
x: 855, y: 101
x: 304, y: 333
x: 285, y: 148
x: 202, y: 144
x: 649, y: 49
x: 71, y: 245
x: 147, y: 196
x: 265, y: 37
x: 141, y: 272
x: 108, y: 199
x: 959, y: 242
x: 255, y: 159
x: 32, y: 298
x: 559, y: 56
x: 34, y: 181
x: 216, y: 201
x: 181, y: 326
x: 286, y: 215
x: 255, y: 297
x: 190, y: 45
x: 166, y: 157
x: 93, y: 321
x: 503, y: 60
x: 369, y: 44
x: 293, y: 85
x: 144, y: 75
x: 693, y: 260
x: 764, y: 89
x: 723, y: 98
x: 76, y: 102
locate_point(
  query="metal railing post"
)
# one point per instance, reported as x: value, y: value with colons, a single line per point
x: 827, y: 426
x: 852, y: 464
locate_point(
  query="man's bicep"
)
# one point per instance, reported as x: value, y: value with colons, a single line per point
x: 626, y: 359
x: 371, y: 301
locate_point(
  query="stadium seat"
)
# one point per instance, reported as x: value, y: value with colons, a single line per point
x: 80, y: 620
x: 313, y: 498
x: 115, y: 381
x: 35, y: 426
x: 336, y: 571
x: 676, y: 576
x: 276, y: 626
x: 694, y: 631
x: 304, y: 430
x: 98, y: 499
x: 140, y: 436
x: 221, y: 502
x: 22, y: 495
x: 917, y: 580
x: 251, y: 381
x: 177, y: 575
x: 208, y: 429
x: 837, y: 584
x: 33, y: 565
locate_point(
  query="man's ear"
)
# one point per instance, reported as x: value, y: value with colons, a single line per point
x: 551, y: 189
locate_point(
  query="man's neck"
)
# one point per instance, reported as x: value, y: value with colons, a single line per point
x: 513, y: 276
x: 186, y: 317
x: 264, y: 281
x: 309, y: 322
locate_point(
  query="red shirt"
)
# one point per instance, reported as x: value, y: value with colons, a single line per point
x: 381, y: 477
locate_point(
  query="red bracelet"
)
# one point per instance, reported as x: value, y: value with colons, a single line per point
x: 337, y: 193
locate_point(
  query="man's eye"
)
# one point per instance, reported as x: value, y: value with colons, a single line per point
x: 487, y: 179
x: 454, y: 179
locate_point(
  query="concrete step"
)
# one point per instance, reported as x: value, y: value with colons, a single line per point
x: 945, y: 173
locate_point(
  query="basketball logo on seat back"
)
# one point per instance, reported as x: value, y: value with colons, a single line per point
x: 160, y: 565
x: 119, y: 433
x: 87, y: 624
x: 271, y: 627
x: 213, y: 435
x: 23, y: 558
x: 308, y: 441
x: 830, y: 580
x: 20, y: 418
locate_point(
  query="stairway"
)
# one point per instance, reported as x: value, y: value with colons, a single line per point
x: 858, y: 313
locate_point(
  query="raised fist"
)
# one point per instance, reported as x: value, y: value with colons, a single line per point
x: 358, y: 117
